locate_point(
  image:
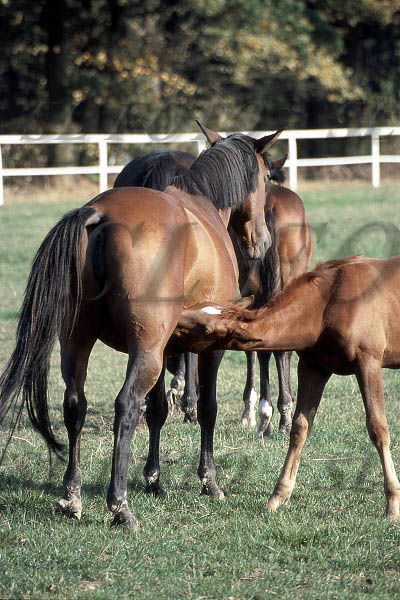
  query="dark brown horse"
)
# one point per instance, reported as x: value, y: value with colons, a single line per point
x: 121, y: 269
x: 341, y: 318
x: 288, y: 256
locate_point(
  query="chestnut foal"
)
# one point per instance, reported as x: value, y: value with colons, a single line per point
x: 340, y: 318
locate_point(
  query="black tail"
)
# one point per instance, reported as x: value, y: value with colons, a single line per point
x: 269, y: 267
x: 51, y: 303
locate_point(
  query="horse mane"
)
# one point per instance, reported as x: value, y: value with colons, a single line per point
x: 155, y: 169
x: 226, y: 173
x: 268, y: 267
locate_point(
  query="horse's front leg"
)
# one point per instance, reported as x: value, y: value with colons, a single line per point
x: 311, y: 384
x: 265, y: 408
x: 74, y: 360
x: 176, y: 365
x: 206, y: 414
x: 285, y: 399
x: 156, y: 414
x: 142, y: 373
x: 248, y: 418
x: 189, y: 399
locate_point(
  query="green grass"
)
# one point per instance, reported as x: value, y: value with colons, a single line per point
x: 330, y: 541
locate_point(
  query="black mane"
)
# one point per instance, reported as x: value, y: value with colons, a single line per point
x: 226, y: 173
x: 155, y: 169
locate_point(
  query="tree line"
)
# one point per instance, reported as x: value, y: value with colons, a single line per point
x: 109, y: 66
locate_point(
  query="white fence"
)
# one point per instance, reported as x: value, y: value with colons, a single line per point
x: 375, y: 158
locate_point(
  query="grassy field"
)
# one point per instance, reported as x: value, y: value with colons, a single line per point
x: 330, y: 541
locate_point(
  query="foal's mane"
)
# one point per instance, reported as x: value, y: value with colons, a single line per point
x: 226, y: 173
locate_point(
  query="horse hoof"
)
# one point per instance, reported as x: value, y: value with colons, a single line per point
x: 155, y: 489
x: 69, y: 508
x: 190, y: 418
x: 213, y: 491
x: 125, y: 519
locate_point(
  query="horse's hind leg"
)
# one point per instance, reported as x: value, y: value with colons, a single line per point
x: 265, y: 409
x: 369, y: 377
x: 74, y: 361
x: 156, y: 414
x: 207, y: 413
x: 144, y: 368
x: 248, y: 417
x: 285, y: 399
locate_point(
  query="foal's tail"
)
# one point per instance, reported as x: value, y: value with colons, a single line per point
x: 269, y: 267
x: 50, y: 308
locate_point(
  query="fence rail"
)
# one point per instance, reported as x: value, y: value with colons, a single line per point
x: 103, y: 169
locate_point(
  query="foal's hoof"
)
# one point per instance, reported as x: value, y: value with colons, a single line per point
x: 125, y: 519
x: 274, y: 503
x: 69, y: 508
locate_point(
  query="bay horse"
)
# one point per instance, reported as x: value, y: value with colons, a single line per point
x: 121, y: 269
x: 288, y: 256
x: 341, y: 318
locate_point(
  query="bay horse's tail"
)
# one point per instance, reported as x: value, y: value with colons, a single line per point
x: 50, y: 308
x: 269, y: 267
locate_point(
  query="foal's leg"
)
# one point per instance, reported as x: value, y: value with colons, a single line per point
x: 310, y: 388
x: 265, y: 409
x: 206, y: 414
x: 156, y: 414
x: 142, y: 373
x: 74, y: 362
x: 248, y: 417
x: 189, y: 400
x: 285, y: 399
x: 369, y: 377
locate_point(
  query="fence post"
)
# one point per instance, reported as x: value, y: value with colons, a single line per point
x: 103, y: 164
x: 1, y: 180
x: 292, y: 162
x: 201, y: 145
x: 375, y: 158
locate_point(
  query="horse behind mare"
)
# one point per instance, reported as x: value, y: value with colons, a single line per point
x: 288, y: 256
x: 121, y: 269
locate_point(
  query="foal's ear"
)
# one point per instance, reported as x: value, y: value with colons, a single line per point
x: 265, y: 142
x: 212, y: 136
x: 278, y: 164
x: 244, y: 302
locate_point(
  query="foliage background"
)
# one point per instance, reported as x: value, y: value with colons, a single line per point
x: 110, y: 66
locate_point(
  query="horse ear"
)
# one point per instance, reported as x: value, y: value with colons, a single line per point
x: 265, y: 142
x: 278, y: 164
x: 212, y: 136
x: 244, y: 302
